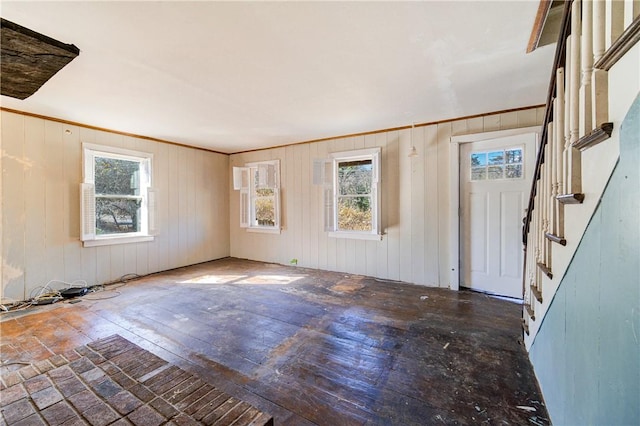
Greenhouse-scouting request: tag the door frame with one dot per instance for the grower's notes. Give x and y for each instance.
(454, 189)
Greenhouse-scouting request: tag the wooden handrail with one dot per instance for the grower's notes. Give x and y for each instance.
(626, 41)
(558, 62)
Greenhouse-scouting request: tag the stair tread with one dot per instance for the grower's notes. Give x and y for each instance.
(537, 293)
(576, 198)
(545, 270)
(556, 239)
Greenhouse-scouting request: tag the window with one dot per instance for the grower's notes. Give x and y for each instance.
(493, 165)
(116, 199)
(351, 193)
(259, 186)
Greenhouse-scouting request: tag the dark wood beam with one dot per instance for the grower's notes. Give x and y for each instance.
(29, 59)
(538, 24)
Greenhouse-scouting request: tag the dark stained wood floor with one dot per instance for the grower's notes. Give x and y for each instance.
(310, 347)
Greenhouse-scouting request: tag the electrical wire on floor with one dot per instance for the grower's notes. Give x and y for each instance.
(383, 280)
(14, 307)
(112, 286)
(46, 295)
(99, 289)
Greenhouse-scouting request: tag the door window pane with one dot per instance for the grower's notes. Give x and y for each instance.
(479, 159)
(514, 156)
(496, 157)
(495, 172)
(491, 165)
(479, 173)
(514, 171)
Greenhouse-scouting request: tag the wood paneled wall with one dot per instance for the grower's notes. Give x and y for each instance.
(415, 204)
(41, 171)
(198, 210)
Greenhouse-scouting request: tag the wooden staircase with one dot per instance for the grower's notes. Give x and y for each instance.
(594, 35)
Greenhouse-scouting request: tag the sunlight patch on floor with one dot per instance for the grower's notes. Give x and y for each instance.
(214, 279)
(270, 279)
(243, 279)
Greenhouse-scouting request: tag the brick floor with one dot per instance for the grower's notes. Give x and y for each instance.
(114, 382)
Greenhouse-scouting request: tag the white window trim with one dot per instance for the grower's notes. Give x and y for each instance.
(355, 235)
(88, 234)
(326, 174)
(243, 182)
(264, 230)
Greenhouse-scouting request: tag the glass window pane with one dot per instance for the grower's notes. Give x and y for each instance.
(117, 215)
(265, 209)
(355, 177)
(514, 156)
(479, 173)
(495, 172)
(117, 177)
(354, 214)
(513, 171)
(496, 157)
(265, 192)
(479, 159)
(262, 178)
(256, 178)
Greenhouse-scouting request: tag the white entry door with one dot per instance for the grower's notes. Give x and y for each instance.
(495, 180)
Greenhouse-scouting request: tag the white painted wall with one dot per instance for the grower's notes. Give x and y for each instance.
(41, 171)
(415, 204)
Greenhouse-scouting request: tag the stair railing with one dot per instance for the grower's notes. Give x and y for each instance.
(593, 35)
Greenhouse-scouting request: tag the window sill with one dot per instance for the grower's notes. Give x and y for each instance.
(117, 240)
(356, 236)
(264, 230)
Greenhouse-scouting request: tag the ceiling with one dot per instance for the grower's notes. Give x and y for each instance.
(236, 76)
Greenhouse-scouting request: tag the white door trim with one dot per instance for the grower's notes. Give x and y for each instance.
(454, 190)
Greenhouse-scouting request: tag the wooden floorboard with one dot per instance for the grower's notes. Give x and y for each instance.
(309, 347)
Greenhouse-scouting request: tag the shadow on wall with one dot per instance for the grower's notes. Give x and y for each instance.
(392, 204)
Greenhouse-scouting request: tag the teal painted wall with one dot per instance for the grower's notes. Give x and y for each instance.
(587, 353)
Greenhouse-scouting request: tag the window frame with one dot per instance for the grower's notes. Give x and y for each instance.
(244, 179)
(326, 172)
(88, 196)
